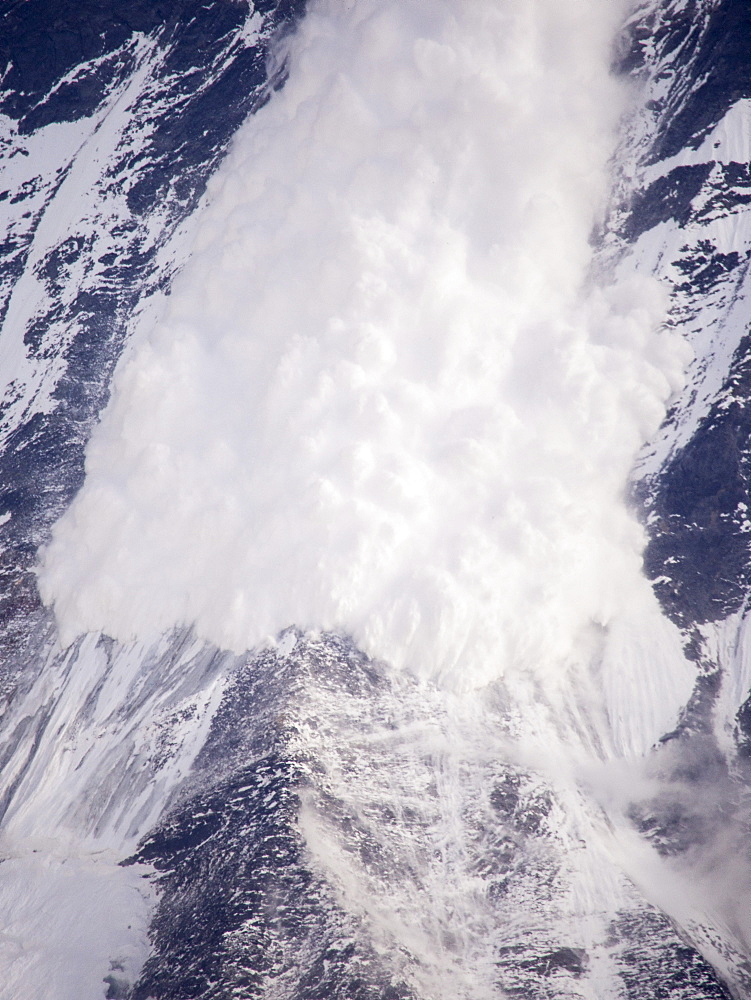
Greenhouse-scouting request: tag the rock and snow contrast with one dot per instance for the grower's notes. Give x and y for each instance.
(373, 500)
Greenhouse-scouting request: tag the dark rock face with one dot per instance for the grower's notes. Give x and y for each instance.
(698, 549)
(700, 51)
(717, 34)
(64, 58)
(668, 199)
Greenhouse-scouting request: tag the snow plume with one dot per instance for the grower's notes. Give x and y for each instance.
(383, 396)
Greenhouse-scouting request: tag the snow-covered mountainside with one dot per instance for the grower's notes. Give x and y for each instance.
(305, 331)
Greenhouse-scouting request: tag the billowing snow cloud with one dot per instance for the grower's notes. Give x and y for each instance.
(385, 395)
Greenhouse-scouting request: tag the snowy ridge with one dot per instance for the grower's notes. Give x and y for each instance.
(370, 794)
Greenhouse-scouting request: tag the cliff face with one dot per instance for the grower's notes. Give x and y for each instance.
(306, 821)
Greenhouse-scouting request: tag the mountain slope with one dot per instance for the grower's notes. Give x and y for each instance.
(305, 820)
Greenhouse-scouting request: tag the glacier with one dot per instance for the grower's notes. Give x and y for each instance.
(369, 628)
